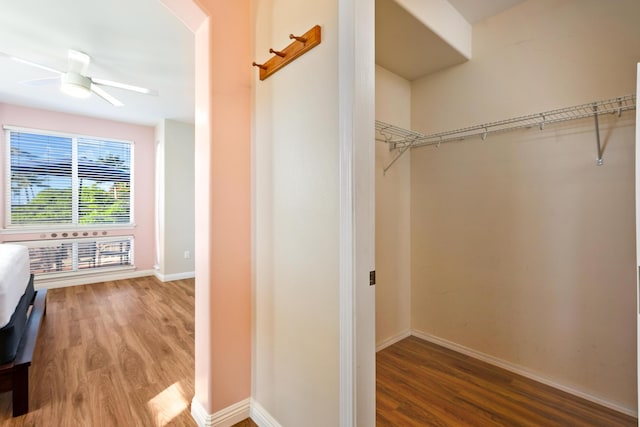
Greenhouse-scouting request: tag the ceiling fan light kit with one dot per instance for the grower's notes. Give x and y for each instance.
(75, 81)
(75, 85)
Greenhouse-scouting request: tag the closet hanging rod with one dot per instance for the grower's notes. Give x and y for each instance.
(403, 139)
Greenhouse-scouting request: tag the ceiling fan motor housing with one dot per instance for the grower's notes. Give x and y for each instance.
(76, 84)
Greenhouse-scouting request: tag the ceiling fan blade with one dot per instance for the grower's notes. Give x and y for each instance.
(104, 95)
(41, 82)
(118, 85)
(78, 61)
(33, 64)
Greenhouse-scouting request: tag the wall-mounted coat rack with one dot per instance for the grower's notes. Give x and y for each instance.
(403, 139)
(300, 45)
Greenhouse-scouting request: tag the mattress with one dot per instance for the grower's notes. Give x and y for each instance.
(11, 334)
(14, 277)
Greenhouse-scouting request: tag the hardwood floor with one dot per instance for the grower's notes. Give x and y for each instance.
(113, 354)
(422, 384)
(121, 354)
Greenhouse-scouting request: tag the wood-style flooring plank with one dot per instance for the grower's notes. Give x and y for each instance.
(121, 353)
(113, 354)
(422, 384)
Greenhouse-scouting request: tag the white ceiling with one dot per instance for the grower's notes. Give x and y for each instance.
(423, 52)
(138, 42)
(477, 10)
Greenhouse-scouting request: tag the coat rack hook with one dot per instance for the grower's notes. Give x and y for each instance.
(542, 123)
(300, 39)
(484, 135)
(261, 66)
(280, 54)
(290, 53)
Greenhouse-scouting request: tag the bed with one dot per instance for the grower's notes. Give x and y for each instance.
(21, 311)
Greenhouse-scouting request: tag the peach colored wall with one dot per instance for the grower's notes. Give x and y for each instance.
(223, 202)
(143, 136)
(203, 304)
(187, 11)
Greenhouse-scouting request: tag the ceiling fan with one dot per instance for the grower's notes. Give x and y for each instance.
(77, 83)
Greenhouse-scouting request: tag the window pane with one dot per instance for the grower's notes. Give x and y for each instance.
(84, 254)
(40, 168)
(104, 181)
(50, 257)
(116, 252)
(44, 188)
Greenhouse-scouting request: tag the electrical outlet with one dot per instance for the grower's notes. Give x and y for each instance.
(187, 254)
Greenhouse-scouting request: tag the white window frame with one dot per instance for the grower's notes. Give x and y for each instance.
(75, 272)
(21, 228)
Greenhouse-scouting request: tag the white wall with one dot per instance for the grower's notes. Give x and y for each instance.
(393, 228)
(443, 19)
(638, 203)
(296, 219)
(522, 248)
(175, 199)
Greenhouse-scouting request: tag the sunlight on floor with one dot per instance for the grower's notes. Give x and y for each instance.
(168, 404)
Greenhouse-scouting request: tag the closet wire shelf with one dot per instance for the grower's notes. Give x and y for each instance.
(403, 139)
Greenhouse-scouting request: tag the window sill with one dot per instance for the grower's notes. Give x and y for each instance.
(70, 230)
(46, 278)
(86, 278)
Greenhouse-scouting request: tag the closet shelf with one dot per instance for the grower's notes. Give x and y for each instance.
(402, 139)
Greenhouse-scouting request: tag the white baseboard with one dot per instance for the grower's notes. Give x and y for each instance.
(260, 416)
(88, 279)
(175, 276)
(233, 414)
(199, 414)
(392, 340)
(520, 370)
(224, 418)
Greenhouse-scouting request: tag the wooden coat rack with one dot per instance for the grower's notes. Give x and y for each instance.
(300, 45)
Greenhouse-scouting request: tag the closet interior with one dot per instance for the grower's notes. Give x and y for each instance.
(505, 208)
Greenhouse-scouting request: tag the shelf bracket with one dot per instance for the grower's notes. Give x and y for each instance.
(388, 139)
(600, 160)
(396, 158)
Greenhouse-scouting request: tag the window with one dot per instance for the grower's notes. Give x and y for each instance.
(67, 180)
(49, 257)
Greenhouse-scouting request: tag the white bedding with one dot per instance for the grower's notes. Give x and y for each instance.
(14, 278)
